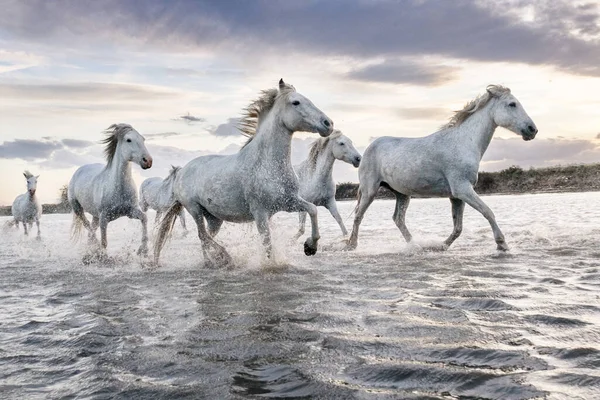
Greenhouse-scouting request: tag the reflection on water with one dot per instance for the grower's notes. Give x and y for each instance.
(388, 320)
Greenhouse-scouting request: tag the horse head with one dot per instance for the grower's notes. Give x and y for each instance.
(299, 113)
(343, 149)
(510, 114)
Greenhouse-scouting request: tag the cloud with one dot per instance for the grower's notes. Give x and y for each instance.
(560, 33)
(226, 129)
(190, 118)
(423, 113)
(27, 149)
(78, 92)
(503, 153)
(402, 71)
(77, 143)
(152, 136)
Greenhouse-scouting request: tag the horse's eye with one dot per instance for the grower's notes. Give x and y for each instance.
(513, 104)
(128, 140)
(296, 102)
(342, 144)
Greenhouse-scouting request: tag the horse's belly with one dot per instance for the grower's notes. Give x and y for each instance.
(433, 185)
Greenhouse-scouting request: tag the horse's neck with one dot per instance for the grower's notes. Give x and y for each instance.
(119, 174)
(31, 198)
(479, 129)
(272, 145)
(323, 168)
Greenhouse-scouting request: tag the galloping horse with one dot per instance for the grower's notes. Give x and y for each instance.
(26, 208)
(445, 163)
(108, 192)
(253, 184)
(315, 174)
(157, 194)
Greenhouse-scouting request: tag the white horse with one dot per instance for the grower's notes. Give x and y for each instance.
(26, 208)
(157, 194)
(315, 174)
(253, 184)
(108, 192)
(445, 163)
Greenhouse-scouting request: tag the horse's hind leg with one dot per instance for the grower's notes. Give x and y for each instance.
(211, 250)
(458, 209)
(93, 227)
(468, 195)
(214, 224)
(301, 223)
(365, 198)
(402, 202)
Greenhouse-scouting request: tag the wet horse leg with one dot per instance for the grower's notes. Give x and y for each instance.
(468, 195)
(402, 202)
(298, 204)
(214, 224)
(212, 251)
(301, 223)
(332, 207)
(366, 197)
(139, 214)
(458, 209)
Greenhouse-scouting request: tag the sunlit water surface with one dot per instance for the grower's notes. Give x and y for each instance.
(386, 321)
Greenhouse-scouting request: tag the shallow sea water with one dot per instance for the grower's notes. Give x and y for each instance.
(386, 321)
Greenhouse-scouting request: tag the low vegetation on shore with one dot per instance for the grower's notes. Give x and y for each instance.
(513, 180)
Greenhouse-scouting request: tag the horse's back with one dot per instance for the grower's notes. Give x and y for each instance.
(408, 165)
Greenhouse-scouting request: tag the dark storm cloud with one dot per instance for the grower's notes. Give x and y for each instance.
(405, 72)
(562, 34)
(27, 149)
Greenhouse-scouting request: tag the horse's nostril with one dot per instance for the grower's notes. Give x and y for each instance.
(532, 129)
(144, 159)
(326, 123)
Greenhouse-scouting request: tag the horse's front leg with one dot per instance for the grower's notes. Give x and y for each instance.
(139, 214)
(332, 207)
(37, 223)
(468, 195)
(262, 224)
(104, 220)
(310, 245)
(25, 228)
(301, 223)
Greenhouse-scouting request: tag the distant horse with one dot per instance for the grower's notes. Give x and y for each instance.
(157, 194)
(26, 208)
(108, 192)
(315, 174)
(253, 184)
(445, 163)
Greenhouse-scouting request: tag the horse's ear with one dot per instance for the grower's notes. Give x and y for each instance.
(37, 176)
(282, 84)
(25, 175)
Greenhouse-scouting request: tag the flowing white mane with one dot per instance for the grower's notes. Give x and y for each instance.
(477, 103)
(114, 134)
(258, 108)
(318, 146)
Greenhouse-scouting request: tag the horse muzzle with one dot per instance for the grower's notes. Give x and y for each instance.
(325, 128)
(356, 162)
(32, 192)
(529, 133)
(146, 162)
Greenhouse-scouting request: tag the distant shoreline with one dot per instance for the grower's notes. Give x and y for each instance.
(510, 181)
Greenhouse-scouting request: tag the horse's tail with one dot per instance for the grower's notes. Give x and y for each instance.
(165, 228)
(76, 227)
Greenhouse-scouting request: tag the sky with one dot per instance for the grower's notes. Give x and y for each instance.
(181, 71)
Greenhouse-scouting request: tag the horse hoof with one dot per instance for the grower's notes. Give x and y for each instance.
(350, 246)
(502, 246)
(309, 250)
